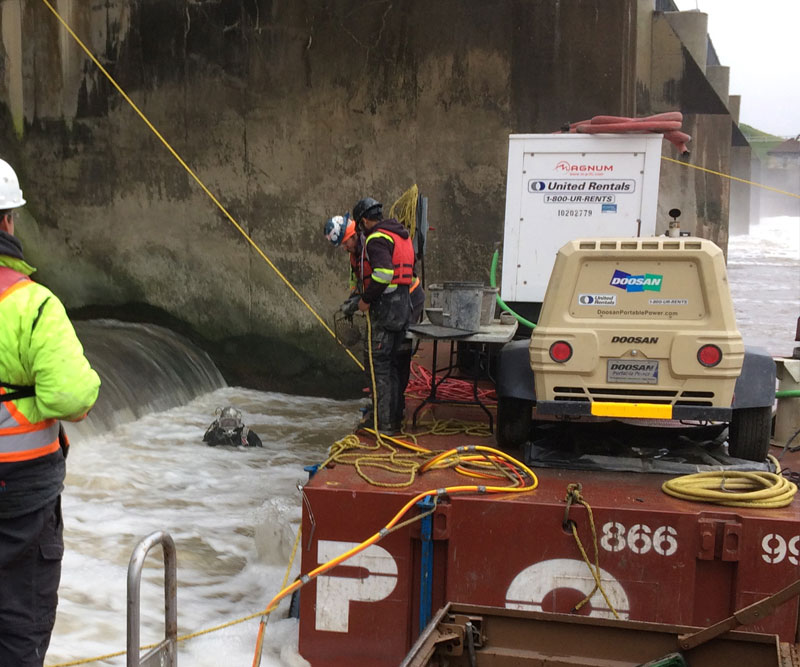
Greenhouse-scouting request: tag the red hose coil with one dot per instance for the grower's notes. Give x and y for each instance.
(668, 123)
(454, 389)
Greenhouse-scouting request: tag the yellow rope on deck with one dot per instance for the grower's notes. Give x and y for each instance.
(442, 459)
(446, 427)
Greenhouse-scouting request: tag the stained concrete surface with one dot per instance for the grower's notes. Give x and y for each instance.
(289, 112)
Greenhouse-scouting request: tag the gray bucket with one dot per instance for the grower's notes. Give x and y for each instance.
(460, 303)
(489, 305)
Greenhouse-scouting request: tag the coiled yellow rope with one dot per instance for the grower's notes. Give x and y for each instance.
(404, 210)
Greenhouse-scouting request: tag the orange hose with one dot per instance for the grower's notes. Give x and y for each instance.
(668, 123)
(436, 493)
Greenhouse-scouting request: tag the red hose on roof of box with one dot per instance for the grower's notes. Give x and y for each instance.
(667, 123)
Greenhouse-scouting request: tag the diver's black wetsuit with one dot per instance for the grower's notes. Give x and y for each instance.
(215, 435)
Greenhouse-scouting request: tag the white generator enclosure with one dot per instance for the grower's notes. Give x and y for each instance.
(567, 186)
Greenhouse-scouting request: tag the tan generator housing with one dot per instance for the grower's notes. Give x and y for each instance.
(637, 328)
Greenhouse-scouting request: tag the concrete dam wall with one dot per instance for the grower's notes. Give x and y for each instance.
(288, 112)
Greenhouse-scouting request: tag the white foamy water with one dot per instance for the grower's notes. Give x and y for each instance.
(764, 273)
(233, 513)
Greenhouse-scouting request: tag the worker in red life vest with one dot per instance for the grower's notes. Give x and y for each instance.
(340, 230)
(386, 295)
(44, 377)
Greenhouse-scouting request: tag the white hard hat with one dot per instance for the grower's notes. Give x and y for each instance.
(10, 193)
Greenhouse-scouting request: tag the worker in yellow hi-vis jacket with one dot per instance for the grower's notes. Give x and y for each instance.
(44, 377)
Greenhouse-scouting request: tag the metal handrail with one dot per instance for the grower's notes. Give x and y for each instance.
(165, 654)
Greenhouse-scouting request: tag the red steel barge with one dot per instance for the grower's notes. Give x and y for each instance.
(661, 560)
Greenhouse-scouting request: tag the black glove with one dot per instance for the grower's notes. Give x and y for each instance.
(350, 307)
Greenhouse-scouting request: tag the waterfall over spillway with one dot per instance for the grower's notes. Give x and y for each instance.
(144, 368)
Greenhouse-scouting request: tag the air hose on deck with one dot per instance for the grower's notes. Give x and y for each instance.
(734, 488)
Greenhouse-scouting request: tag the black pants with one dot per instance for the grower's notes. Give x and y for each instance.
(391, 375)
(391, 356)
(31, 548)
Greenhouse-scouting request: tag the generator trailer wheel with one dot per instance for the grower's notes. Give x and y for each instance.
(749, 433)
(514, 422)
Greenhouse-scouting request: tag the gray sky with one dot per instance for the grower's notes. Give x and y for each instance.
(760, 41)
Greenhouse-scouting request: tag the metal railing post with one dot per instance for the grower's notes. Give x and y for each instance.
(165, 654)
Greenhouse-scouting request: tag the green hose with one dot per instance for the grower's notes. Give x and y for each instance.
(788, 393)
(500, 302)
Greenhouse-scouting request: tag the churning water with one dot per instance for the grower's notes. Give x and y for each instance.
(764, 272)
(233, 512)
(139, 465)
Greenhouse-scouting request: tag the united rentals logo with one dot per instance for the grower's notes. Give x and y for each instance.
(583, 185)
(597, 299)
(647, 282)
(567, 168)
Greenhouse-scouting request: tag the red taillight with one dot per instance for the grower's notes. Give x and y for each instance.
(560, 351)
(709, 355)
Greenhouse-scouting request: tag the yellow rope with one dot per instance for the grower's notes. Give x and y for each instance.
(107, 656)
(440, 458)
(728, 176)
(404, 210)
(192, 635)
(734, 488)
(384, 456)
(404, 207)
(202, 185)
(372, 378)
(574, 495)
(392, 461)
(265, 615)
(446, 427)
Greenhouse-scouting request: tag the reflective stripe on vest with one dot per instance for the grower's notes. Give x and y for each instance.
(20, 440)
(402, 260)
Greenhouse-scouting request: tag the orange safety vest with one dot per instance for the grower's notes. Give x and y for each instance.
(402, 259)
(21, 440)
(402, 256)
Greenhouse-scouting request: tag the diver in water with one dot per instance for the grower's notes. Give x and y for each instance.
(228, 429)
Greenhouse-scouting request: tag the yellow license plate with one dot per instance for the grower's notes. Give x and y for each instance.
(641, 410)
